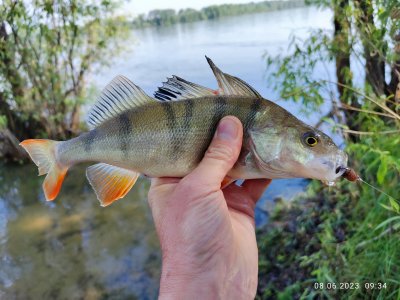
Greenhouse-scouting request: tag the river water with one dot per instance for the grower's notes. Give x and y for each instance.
(74, 249)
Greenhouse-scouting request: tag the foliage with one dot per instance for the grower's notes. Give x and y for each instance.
(47, 49)
(163, 17)
(379, 34)
(350, 233)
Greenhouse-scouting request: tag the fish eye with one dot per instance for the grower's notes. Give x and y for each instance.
(310, 139)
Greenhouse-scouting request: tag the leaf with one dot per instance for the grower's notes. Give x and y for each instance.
(382, 170)
(386, 222)
(386, 207)
(395, 205)
(3, 122)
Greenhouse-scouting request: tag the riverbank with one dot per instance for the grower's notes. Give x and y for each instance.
(166, 17)
(328, 246)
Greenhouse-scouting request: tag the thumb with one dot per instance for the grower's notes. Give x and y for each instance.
(221, 154)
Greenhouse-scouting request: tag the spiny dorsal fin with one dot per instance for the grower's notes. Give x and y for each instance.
(177, 88)
(119, 95)
(110, 183)
(230, 85)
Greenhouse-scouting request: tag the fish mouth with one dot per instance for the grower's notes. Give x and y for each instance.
(328, 169)
(340, 171)
(341, 164)
(334, 173)
(338, 174)
(336, 166)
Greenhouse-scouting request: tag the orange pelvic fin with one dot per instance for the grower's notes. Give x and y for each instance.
(42, 152)
(110, 183)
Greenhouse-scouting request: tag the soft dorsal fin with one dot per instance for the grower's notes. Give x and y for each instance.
(110, 183)
(230, 85)
(119, 95)
(176, 88)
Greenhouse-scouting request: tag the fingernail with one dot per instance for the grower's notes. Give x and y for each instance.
(227, 129)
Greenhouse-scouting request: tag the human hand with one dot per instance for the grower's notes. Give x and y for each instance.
(207, 235)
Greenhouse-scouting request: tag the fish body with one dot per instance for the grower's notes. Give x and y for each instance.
(135, 134)
(162, 138)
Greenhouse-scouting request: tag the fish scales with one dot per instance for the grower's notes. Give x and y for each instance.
(134, 134)
(151, 139)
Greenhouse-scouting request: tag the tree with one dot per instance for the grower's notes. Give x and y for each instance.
(342, 45)
(189, 15)
(374, 25)
(162, 17)
(47, 49)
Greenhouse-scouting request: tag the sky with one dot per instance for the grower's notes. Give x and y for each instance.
(135, 7)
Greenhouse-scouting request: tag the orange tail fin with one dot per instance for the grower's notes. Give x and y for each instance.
(42, 152)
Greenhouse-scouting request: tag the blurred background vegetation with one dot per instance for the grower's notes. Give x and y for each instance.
(165, 17)
(47, 49)
(350, 233)
(343, 234)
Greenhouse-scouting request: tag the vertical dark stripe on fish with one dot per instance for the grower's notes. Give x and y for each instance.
(125, 130)
(89, 140)
(220, 107)
(172, 126)
(250, 119)
(189, 104)
(187, 122)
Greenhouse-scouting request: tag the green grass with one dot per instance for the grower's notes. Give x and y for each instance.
(331, 237)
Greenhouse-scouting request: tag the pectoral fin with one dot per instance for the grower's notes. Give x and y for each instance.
(110, 183)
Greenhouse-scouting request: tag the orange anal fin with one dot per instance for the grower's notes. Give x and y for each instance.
(227, 181)
(110, 183)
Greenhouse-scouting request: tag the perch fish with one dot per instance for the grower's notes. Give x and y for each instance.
(167, 136)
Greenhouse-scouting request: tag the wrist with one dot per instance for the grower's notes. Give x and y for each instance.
(186, 282)
(197, 286)
(180, 280)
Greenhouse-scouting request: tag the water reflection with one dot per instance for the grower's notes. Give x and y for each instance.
(73, 248)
